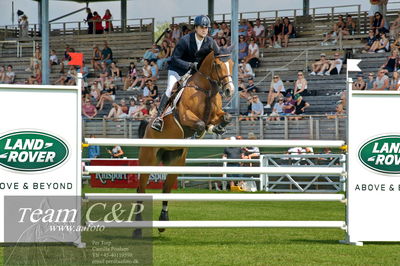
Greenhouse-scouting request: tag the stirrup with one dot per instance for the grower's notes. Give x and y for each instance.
(158, 124)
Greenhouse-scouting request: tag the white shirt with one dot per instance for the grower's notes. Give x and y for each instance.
(146, 91)
(258, 29)
(198, 42)
(276, 86)
(339, 64)
(255, 48)
(248, 70)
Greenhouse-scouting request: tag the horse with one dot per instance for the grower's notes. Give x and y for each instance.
(199, 109)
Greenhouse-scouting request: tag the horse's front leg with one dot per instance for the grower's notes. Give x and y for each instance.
(192, 121)
(218, 125)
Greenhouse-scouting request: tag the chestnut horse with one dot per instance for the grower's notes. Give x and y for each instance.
(198, 110)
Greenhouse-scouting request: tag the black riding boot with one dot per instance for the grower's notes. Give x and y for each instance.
(158, 122)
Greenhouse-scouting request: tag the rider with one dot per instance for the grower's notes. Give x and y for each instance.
(185, 58)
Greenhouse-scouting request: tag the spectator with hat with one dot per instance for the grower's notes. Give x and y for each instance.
(320, 66)
(299, 107)
(288, 105)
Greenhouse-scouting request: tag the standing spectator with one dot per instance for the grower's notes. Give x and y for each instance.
(10, 75)
(320, 66)
(277, 111)
(378, 24)
(131, 76)
(24, 27)
(245, 70)
(96, 58)
(359, 84)
(381, 45)
(370, 41)
(299, 106)
(106, 54)
(253, 54)
(300, 86)
(2, 74)
(88, 110)
(370, 84)
(287, 32)
(108, 19)
(163, 55)
(233, 153)
(335, 65)
(98, 25)
(116, 152)
(89, 20)
(277, 29)
(242, 47)
(259, 33)
(93, 150)
(394, 81)
(276, 90)
(392, 62)
(382, 81)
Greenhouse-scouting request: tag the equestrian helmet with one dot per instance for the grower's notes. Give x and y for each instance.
(202, 20)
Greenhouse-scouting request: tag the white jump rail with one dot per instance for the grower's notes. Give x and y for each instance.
(214, 143)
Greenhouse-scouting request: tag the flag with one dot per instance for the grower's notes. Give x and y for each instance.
(352, 64)
(76, 59)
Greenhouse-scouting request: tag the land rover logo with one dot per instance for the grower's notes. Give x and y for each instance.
(30, 151)
(382, 154)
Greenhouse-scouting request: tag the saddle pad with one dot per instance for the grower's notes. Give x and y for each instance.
(172, 106)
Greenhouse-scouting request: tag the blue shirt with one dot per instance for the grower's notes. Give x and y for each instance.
(242, 45)
(93, 151)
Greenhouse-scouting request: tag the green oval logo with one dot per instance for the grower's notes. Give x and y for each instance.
(382, 154)
(31, 151)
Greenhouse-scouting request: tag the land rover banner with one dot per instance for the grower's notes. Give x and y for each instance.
(374, 166)
(40, 145)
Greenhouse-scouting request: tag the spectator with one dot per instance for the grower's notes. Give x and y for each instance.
(124, 107)
(242, 47)
(370, 84)
(277, 111)
(350, 25)
(163, 55)
(373, 10)
(245, 70)
(223, 42)
(359, 84)
(253, 54)
(257, 109)
(395, 28)
(287, 32)
(245, 115)
(251, 152)
(106, 54)
(134, 110)
(115, 112)
(89, 20)
(154, 70)
(176, 33)
(130, 77)
(152, 53)
(35, 60)
(340, 112)
(66, 57)
(299, 107)
(225, 30)
(276, 90)
(88, 110)
(172, 46)
(332, 35)
(288, 105)
(370, 41)
(394, 81)
(2, 74)
(53, 58)
(378, 24)
(215, 30)
(116, 152)
(24, 27)
(382, 81)
(249, 31)
(233, 153)
(300, 86)
(392, 62)
(93, 150)
(115, 72)
(96, 58)
(108, 19)
(9, 75)
(105, 73)
(250, 89)
(259, 33)
(36, 78)
(396, 44)
(243, 28)
(146, 74)
(97, 23)
(335, 65)
(84, 70)
(95, 91)
(277, 29)
(107, 95)
(381, 45)
(320, 66)
(153, 89)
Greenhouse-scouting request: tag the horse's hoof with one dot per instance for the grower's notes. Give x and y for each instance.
(137, 234)
(163, 217)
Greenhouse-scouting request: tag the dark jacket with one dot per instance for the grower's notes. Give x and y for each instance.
(186, 52)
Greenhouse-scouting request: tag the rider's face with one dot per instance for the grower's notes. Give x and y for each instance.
(202, 31)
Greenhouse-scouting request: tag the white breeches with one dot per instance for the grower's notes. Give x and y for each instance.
(173, 77)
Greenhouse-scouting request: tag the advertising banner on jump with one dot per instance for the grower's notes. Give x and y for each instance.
(40, 154)
(374, 166)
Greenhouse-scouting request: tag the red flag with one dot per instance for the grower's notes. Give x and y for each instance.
(76, 59)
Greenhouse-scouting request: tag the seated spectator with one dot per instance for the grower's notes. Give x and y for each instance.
(222, 42)
(370, 84)
(153, 89)
(96, 58)
(382, 81)
(172, 46)
(396, 44)
(108, 19)
(288, 105)
(116, 73)
(53, 58)
(130, 77)
(245, 70)
(350, 25)
(152, 107)
(98, 25)
(35, 60)
(2, 74)
(392, 62)
(225, 31)
(106, 95)
(395, 28)
(250, 89)
(242, 47)
(372, 11)
(300, 86)
(154, 70)
(88, 110)
(176, 33)
(370, 41)
(116, 152)
(320, 66)
(152, 53)
(106, 54)
(10, 75)
(394, 81)
(381, 45)
(84, 70)
(340, 112)
(249, 31)
(332, 35)
(215, 30)
(134, 110)
(251, 152)
(124, 107)
(253, 54)
(66, 57)
(95, 91)
(115, 112)
(243, 28)
(277, 110)
(359, 84)
(36, 78)
(276, 90)
(277, 30)
(164, 55)
(245, 115)
(378, 24)
(259, 33)
(143, 76)
(287, 32)
(257, 108)
(299, 107)
(335, 65)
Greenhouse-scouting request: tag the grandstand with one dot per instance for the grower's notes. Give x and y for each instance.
(302, 51)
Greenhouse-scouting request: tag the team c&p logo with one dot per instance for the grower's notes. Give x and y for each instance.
(32, 151)
(382, 154)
